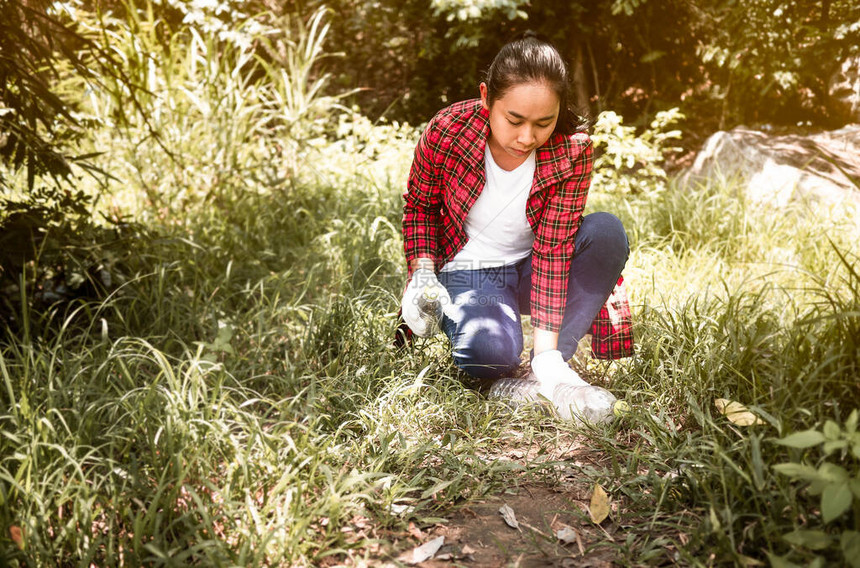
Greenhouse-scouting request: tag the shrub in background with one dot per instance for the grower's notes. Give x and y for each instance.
(626, 162)
(169, 107)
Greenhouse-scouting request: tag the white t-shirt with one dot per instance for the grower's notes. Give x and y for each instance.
(497, 228)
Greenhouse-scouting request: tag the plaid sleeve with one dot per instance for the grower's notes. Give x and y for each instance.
(554, 240)
(423, 199)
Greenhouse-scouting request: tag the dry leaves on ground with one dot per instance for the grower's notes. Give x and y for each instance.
(736, 412)
(599, 507)
(509, 516)
(424, 552)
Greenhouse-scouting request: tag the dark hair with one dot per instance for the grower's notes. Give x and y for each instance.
(532, 58)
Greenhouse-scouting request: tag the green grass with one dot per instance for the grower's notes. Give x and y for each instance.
(236, 399)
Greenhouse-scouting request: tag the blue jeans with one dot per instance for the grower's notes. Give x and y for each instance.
(484, 322)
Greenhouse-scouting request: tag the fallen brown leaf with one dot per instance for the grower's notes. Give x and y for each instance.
(599, 508)
(424, 552)
(416, 533)
(17, 536)
(509, 516)
(736, 412)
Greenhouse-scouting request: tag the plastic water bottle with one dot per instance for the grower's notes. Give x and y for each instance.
(571, 402)
(586, 403)
(516, 392)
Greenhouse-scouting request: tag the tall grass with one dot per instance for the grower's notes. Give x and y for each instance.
(741, 302)
(236, 399)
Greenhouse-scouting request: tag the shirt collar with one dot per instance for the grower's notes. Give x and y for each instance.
(472, 140)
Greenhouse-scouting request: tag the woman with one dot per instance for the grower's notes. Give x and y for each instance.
(493, 217)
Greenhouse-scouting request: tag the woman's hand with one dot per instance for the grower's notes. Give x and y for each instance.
(551, 370)
(422, 302)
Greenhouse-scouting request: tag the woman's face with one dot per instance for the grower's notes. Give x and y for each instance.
(520, 121)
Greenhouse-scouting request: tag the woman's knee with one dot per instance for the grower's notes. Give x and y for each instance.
(606, 232)
(488, 355)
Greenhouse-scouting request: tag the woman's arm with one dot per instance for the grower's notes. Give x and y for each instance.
(545, 340)
(422, 204)
(554, 241)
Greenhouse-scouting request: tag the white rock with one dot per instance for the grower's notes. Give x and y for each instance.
(823, 167)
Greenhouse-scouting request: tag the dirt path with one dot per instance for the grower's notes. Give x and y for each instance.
(478, 535)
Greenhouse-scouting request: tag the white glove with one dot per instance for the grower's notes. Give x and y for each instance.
(551, 370)
(422, 303)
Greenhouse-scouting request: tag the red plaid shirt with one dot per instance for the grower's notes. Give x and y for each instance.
(446, 178)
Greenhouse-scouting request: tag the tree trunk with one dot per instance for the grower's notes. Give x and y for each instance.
(581, 99)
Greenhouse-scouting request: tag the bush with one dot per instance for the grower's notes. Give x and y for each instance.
(627, 162)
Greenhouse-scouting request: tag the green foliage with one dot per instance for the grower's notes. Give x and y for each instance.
(38, 123)
(52, 252)
(227, 393)
(626, 6)
(724, 63)
(51, 248)
(191, 114)
(781, 54)
(465, 16)
(631, 163)
(838, 487)
(465, 10)
(406, 58)
(200, 113)
(228, 114)
(730, 305)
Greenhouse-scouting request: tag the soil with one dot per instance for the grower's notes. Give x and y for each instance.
(478, 535)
